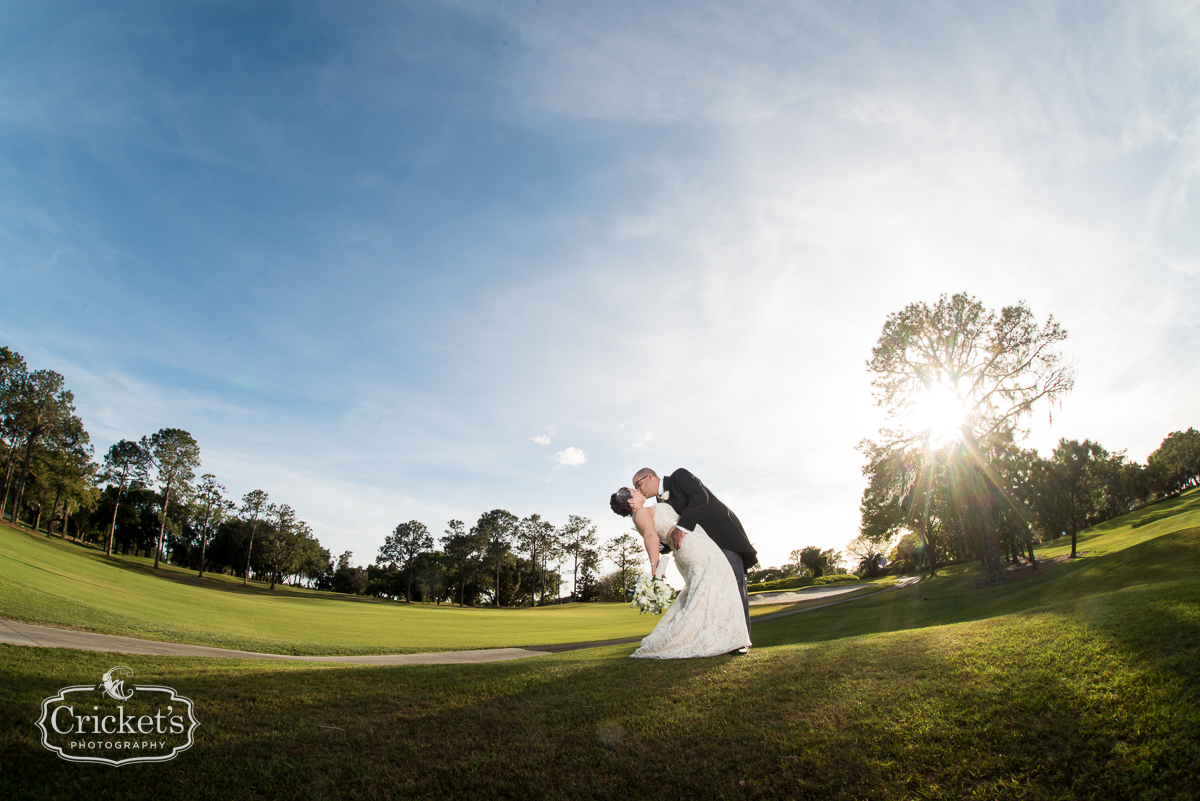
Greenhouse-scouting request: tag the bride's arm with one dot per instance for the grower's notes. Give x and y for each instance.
(644, 520)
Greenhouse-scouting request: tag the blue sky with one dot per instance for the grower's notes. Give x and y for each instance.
(420, 260)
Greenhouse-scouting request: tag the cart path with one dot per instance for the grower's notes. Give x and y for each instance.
(813, 593)
(13, 632)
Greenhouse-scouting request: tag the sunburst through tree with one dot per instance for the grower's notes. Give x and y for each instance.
(956, 381)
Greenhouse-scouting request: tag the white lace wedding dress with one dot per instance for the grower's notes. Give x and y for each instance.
(707, 618)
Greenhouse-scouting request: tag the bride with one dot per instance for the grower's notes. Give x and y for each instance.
(707, 618)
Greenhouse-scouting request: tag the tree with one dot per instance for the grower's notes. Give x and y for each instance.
(12, 378)
(536, 538)
(38, 406)
(431, 576)
(552, 552)
(1176, 462)
(813, 559)
(403, 545)
(589, 573)
(956, 373)
(176, 455)
(577, 535)
(254, 503)
(463, 550)
(625, 551)
(496, 528)
(70, 471)
(137, 522)
(211, 497)
(284, 543)
(347, 578)
(1069, 479)
(906, 491)
(315, 565)
(869, 556)
(126, 463)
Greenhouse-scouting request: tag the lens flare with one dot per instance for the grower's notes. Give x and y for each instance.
(939, 414)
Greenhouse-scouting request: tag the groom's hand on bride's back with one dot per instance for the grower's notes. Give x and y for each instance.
(677, 535)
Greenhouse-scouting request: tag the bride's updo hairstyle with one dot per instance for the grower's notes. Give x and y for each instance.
(620, 502)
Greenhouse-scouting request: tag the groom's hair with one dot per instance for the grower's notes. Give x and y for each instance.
(620, 502)
(645, 471)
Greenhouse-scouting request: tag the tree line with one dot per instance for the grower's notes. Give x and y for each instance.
(144, 499)
(807, 562)
(947, 479)
(1080, 484)
(501, 560)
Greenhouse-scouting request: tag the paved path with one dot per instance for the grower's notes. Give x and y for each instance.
(13, 632)
(904, 582)
(808, 594)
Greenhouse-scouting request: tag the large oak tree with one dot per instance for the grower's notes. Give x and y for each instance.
(958, 376)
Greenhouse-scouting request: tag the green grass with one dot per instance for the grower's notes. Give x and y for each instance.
(1083, 682)
(867, 588)
(61, 584)
(1157, 546)
(57, 583)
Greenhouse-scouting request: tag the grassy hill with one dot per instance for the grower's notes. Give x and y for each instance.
(1081, 682)
(54, 583)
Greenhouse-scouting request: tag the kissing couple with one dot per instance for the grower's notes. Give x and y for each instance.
(711, 615)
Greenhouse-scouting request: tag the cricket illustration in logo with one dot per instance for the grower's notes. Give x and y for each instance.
(113, 687)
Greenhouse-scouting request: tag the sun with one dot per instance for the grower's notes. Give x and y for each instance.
(939, 414)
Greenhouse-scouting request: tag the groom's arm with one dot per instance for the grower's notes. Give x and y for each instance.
(694, 495)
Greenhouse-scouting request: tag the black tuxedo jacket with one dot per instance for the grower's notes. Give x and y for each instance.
(696, 505)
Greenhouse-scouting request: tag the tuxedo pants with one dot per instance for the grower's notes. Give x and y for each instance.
(739, 571)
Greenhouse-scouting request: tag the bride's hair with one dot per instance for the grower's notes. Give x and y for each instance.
(620, 502)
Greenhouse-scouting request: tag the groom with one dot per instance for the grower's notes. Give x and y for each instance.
(697, 506)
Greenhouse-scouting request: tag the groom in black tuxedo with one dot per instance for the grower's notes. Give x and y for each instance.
(696, 505)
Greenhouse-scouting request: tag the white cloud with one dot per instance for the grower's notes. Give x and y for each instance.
(571, 457)
(541, 439)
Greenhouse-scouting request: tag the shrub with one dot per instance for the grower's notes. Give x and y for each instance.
(798, 583)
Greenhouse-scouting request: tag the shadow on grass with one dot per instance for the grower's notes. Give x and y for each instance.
(1032, 707)
(234, 587)
(1152, 513)
(1089, 691)
(1158, 624)
(143, 566)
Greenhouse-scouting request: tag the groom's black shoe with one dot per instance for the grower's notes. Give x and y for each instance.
(739, 651)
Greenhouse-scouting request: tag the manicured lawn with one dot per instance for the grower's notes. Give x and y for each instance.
(56, 583)
(1157, 546)
(1083, 682)
(61, 584)
(1061, 703)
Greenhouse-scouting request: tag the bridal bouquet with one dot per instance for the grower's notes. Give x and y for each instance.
(652, 594)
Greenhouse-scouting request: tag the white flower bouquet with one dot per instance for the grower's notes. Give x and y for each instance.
(652, 594)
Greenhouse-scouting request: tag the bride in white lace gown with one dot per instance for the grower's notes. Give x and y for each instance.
(706, 618)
